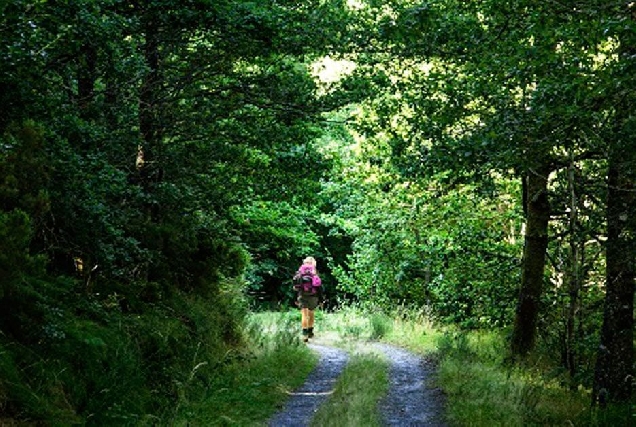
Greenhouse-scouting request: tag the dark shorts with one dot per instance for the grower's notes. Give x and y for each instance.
(308, 301)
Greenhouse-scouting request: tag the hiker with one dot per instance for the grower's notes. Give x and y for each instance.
(309, 287)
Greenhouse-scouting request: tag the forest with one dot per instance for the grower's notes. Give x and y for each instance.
(166, 165)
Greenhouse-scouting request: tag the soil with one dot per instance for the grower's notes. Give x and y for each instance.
(412, 399)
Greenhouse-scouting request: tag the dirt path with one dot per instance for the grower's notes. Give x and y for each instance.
(411, 400)
(304, 402)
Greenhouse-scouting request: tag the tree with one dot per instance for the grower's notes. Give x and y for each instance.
(156, 122)
(536, 243)
(614, 373)
(468, 91)
(614, 366)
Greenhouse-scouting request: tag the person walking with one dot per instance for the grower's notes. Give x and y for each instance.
(309, 286)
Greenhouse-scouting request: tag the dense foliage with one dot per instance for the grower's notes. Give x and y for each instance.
(476, 97)
(150, 151)
(165, 165)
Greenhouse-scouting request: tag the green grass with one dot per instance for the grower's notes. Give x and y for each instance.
(407, 328)
(413, 330)
(481, 388)
(365, 381)
(354, 401)
(252, 386)
(483, 391)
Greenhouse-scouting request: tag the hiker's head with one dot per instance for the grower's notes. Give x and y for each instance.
(310, 260)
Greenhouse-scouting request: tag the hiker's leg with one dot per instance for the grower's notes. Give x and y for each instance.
(305, 321)
(311, 318)
(305, 317)
(310, 327)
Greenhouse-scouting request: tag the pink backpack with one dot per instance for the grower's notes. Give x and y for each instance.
(306, 279)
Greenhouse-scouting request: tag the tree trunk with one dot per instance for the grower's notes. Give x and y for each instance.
(573, 277)
(534, 254)
(614, 371)
(613, 376)
(148, 162)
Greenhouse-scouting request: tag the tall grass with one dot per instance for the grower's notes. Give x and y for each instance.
(401, 326)
(251, 386)
(483, 390)
(413, 329)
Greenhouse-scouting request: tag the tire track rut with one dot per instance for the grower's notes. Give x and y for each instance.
(305, 401)
(411, 400)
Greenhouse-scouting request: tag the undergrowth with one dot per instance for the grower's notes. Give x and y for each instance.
(256, 383)
(481, 386)
(483, 389)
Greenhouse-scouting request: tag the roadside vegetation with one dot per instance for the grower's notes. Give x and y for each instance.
(255, 383)
(166, 165)
(481, 386)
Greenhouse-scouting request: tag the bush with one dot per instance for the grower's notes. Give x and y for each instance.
(381, 325)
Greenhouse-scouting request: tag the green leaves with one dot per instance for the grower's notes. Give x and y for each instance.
(449, 250)
(15, 261)
(278, 236)
(171, 139)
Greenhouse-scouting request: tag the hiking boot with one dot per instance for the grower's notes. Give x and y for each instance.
(310, 332)
(305, 335)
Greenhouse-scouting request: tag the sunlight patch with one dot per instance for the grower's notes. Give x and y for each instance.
(328, 70)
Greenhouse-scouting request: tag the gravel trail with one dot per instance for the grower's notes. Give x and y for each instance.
(304, 402)
(410, 402)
